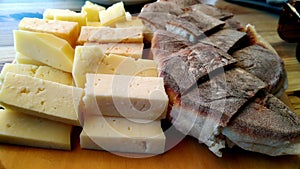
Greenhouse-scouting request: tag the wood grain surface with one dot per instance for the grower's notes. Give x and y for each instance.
(189, 153)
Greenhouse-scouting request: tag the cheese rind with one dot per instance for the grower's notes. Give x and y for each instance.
(21, 59)
(41, 98)
(92, 10)
(113, 14)
(87, 60)
(122, 135)
(45, 48)
(125, 96)
(62, 29)
(134, 50)
(21, 129)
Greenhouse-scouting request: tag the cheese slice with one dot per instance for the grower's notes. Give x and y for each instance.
(21, 59)
(113, 14)
(125, 96)
(54, 75)
(41, 98)
(134, 50)
(24, 69)
(87, 60)
(62, 29)
(21, 129)
(45, 48)
(122, 135)
(110, 35)
(92, 10)
(117, 64)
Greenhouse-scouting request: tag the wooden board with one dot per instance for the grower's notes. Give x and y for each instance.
(188, 154)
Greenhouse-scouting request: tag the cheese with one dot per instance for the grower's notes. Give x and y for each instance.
(21, 129)
(134, 50)
(54, 75)
(18, 69)
(45, 48)
(122, 135)
(50, 13)
(110, 35)
(41, 98)
(116, 64)
(92, 10)
(135, 22)
(113, 14)
(21, 59)
(125, 96)
(62, 29)
(87, 59)
(93, 24)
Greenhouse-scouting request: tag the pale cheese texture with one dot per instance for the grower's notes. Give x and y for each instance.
(50, 13)
(63, 29)
(113, 14)
(120, 65)
(45, 48)
(122, 135)
(134, 22)
(92, 10)
(41, 98)
(134, 50)
(24, 69)
(22, 59)
(22, 129)
(125, 96)
(87, 60)
(110, 35)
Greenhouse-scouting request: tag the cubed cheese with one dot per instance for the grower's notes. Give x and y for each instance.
(92, 10)
(117, 64)
(134, 50)
(54, 75)
(41, 98)
(87, 60)
(22, 129)
(45, 48)
(63, 29)
(110, 35)
(122, 135)
(113, 14)
(21, 59)
(125, 96)
(24, 69)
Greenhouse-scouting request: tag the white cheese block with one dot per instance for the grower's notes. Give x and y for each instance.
(21, 59)
(45, 48)
(134, 50)
(22, 129)
(122, 135)
(125, 96)
(24, 69)
(113, 14)
(41, 98)
(54, 75)
(87, 60)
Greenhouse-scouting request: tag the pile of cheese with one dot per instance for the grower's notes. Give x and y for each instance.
(83, 69)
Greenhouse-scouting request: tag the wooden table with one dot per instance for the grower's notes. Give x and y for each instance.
(189, 153)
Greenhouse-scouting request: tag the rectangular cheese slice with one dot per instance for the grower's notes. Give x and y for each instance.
(24, 69)
(113, 14)
(54, 75)
(122, 135)
(92, 10)
(22, 59)
(120, 65)
(41, 98)
(125, 96)
(63, 29)
(110, 35)
(45, 48)
(22, 129)
(87, 60)
(134, 50)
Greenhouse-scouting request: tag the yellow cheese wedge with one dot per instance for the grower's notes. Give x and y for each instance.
(120, 65)
(54, 75)
(125, 96)
(24, 69)
(110, 35)
(134, 50)
(92, 10)
(122, 135)
(63, 29)
(87, 60)
(41, 98)
(113, 14)
(21, 59)
(21, 129)
(45, 48)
